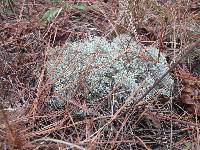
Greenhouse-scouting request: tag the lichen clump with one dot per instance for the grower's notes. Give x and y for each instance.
(102, 64)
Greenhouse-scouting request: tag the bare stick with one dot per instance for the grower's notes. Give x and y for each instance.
(187, 50)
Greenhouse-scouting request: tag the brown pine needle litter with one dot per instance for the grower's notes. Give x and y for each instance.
(100, 99)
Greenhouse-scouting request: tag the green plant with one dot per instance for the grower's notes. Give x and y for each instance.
(50, 14)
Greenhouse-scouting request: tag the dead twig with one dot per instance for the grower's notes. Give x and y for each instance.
(187, 50)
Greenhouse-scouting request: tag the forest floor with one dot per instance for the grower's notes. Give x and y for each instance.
(29, 28)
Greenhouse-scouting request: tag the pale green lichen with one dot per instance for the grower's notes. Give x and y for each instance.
(103, 64)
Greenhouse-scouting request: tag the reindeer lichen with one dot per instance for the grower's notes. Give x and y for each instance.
(102, 64)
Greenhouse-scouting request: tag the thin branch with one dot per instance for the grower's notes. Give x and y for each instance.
(71, 145)
(187, 51)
